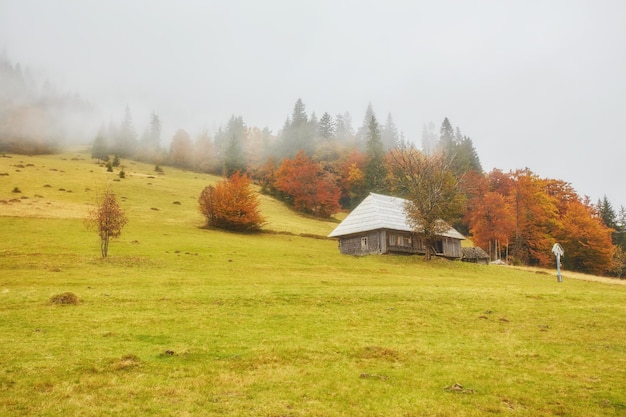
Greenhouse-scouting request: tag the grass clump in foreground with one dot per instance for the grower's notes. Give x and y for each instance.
(185, 321)
(67, 298)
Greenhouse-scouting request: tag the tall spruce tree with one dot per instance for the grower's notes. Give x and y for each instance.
(363, 131)
(390, 136)
(155, 132)
(234, 159)
(100, 148)
(343, 128)
(375, 170)
(429, 138)
(126, 142)
(620, 225)
(298, 133)
(150, 142)
(446, 136)
(326, 128)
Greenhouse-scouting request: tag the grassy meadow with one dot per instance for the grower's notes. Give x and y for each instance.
(184, 321)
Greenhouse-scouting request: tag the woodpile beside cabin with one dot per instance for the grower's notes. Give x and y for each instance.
(475, 255)
(379, 225)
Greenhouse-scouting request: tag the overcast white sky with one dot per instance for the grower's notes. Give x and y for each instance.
(537, 84)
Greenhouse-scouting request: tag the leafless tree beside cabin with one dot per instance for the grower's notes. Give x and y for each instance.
(431, 188)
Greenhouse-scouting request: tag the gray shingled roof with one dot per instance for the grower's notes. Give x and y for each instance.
(379, 211)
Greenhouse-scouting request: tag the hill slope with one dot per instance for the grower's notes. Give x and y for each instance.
(186, 321)
(63, 186)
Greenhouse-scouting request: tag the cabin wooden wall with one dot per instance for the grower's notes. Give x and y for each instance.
(353, 245)
(386, 241)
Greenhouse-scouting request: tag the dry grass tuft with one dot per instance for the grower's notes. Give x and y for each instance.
(127, 361)
(378, 352)
(67, 298)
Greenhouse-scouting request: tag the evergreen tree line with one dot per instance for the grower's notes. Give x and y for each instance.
(320, 166)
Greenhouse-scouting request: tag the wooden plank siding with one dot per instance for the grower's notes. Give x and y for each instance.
(393, 241)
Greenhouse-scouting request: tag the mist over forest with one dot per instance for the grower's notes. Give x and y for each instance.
(35, 117)
(320, 163)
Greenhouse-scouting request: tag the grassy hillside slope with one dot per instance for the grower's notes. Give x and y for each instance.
(185, 321)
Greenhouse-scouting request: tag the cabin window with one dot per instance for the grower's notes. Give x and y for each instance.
(364, 243)
(400, 240)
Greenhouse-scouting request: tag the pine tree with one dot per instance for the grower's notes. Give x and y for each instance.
(429, 138)
(389, 135)
(298, 133)
(126, 143)
(465, 157)
(620, 225)
(375, 170)
(234, 159)
(326, 128)
(607, 213)
(343, 128)
(155, 132)
(363, 132)
(150, 142)
(446, 136)
(100, 149)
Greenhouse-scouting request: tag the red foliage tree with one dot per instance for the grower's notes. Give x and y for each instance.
(533, 213)
(536, 219)
(500, 182)
(309, 188)
(232, 204)
(491, 220)
(586, 240)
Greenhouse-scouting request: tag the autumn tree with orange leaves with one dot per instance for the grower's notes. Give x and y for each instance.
(586, 241)
(492, 222)
(533, 213)
(232, 204)
(307, 186)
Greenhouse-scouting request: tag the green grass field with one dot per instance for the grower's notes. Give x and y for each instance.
(183, 321)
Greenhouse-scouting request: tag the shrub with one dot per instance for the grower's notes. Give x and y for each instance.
(232, 204)
(16, 190)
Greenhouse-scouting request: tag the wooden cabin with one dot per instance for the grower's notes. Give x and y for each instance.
(379, 225)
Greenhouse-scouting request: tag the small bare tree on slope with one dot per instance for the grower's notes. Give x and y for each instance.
(107, 218)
